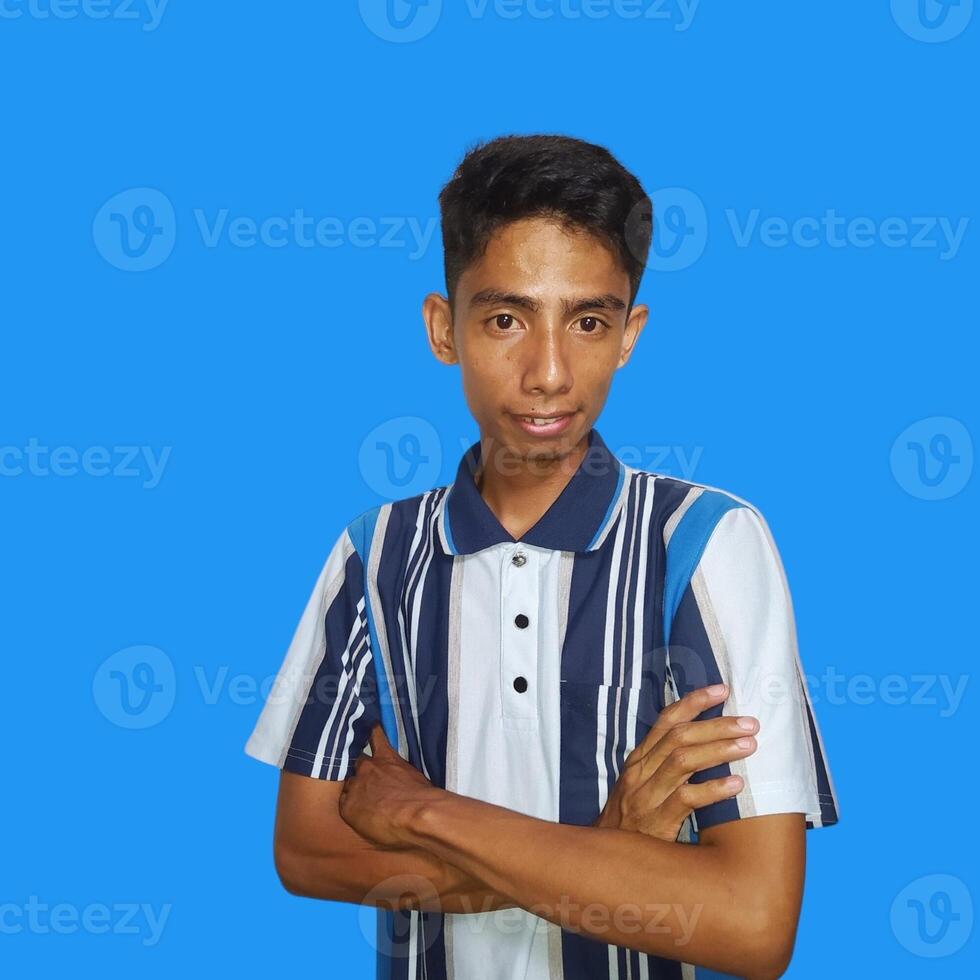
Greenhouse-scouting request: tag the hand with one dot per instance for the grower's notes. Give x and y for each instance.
(380, 799)
(653, 795)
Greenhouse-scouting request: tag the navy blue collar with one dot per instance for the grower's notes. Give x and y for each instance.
(576, 521)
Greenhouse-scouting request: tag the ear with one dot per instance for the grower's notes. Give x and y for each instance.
(634, 327)
(438, 319)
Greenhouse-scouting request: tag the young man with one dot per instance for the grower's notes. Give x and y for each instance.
(590, 751)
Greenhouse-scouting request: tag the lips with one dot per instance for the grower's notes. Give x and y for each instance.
(544, 425)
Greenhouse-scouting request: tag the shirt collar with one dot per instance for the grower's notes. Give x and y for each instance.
(576, 521)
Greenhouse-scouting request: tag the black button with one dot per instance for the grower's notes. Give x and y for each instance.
(519, 559)
(520, 684)
(521, 620)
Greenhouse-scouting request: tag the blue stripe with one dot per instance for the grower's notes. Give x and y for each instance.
(686, 546)
(361, 531)
(453, 550)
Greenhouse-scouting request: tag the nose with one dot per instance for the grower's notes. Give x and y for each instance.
(546, 367)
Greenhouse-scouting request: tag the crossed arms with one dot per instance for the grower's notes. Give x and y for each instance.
(731, 902)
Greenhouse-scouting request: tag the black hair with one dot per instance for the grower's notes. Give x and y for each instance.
(580, 184)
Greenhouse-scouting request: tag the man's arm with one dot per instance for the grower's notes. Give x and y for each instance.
(730, 903)
(319, 855)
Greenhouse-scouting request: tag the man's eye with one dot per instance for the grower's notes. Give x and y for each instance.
(591, 324)
(504, 321)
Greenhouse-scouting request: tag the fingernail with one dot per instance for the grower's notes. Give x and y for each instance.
(732, 782)
(743, 743)
(747, 723)
(716, 689)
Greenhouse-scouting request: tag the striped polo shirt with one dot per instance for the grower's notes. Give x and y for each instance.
(522, 672)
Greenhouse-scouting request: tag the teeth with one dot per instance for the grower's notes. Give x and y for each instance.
(541, 421)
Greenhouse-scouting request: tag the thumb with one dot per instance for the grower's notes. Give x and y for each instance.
(378, 740)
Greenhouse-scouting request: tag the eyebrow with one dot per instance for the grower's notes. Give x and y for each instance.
(492, 297)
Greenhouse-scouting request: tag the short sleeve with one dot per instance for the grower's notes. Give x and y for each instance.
(321, 708)
(734, 624)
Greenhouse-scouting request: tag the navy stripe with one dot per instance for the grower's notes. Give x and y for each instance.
(693, 665)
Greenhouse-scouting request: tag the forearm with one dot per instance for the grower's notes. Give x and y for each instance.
(365, 874)
(679, 901)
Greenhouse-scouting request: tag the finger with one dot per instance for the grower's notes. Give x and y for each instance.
(692, 796)
(378, 740)
(686, 709)
(698, 732)
(684, 762)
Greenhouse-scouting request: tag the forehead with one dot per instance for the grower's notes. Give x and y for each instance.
(538, 253)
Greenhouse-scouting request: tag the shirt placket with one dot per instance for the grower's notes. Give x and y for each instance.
(519, 632)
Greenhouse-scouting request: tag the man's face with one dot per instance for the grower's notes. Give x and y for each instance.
(539, 327)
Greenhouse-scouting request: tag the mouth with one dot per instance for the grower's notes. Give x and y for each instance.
(545, 425)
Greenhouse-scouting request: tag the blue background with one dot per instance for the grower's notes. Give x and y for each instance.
(788, 372)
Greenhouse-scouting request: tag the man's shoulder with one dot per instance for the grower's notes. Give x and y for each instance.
(399, 516)
(693, 502)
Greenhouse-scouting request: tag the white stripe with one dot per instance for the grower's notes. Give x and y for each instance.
(607, 654)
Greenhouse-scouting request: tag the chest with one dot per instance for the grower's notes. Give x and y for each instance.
(524, 676)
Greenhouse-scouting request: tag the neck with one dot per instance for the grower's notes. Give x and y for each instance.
(519, 489)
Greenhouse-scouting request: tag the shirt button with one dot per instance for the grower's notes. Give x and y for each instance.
(519, 559)
(521, 620)
(520, 684)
